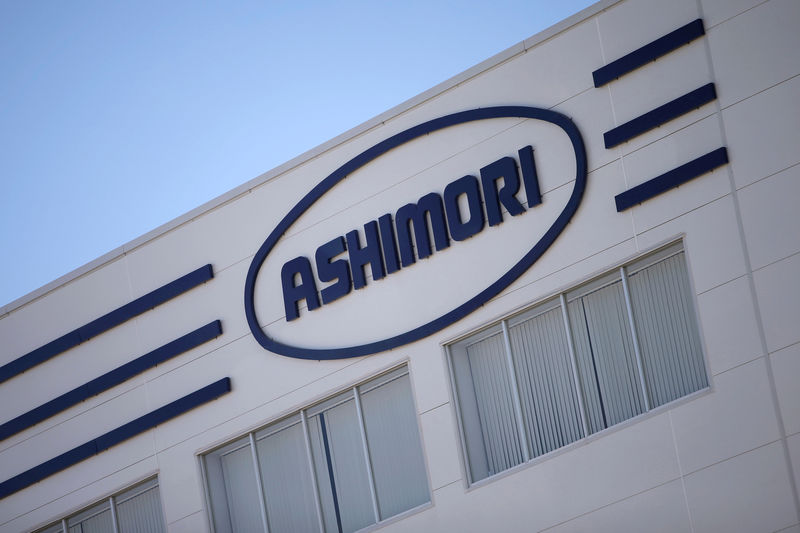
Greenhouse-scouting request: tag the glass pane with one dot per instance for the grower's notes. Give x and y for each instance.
(547, 388)
(606, 358)
(394, 446)
(495, 404)
(241, 490)
(141, 513)
(286, 478)
(345, 452)
(95, 522)
(320, 458)
(667, 330)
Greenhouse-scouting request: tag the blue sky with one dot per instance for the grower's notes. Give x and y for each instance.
(116, 117)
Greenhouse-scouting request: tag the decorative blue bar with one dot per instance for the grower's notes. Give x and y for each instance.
(649, 52)
(115, 436)
(106, 322)
(111, 379)
(660, 115)
(671, 179)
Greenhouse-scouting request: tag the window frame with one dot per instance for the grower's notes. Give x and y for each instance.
(560, 298)
(111, 503)
(351, 391)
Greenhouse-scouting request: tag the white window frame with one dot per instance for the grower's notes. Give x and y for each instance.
(621, 272)
(110, 503)
(300, 416)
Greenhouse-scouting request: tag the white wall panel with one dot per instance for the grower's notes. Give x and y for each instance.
(593, 114)
(595, 227)
(662, 509)
(195, 523)
(737, 416)
(68, 371)
(778, 294)
(179, 481)
(770, 216)
(718, 11)
(713, 245)
(728, 319)
(786, 369)
(762, 132)
(440, 442)
(429, 375)
(549, 277)
(749, 52)
(628, 25)
(220, 298)
(221, 237)
(748, 494)
(657, 83)
(84, 483)
(68, 307)
(622, 463)
(538, 77)
(793, 444)
(111, 412)
(667, 154)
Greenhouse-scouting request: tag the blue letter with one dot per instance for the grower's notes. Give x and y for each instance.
(389, 244)
(505, 168)
(529, 177)
(430, 204)
(330, 271)
(463, 230)
(305, 290)
(370, 253)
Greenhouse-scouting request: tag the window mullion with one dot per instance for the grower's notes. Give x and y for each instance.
(113, 508)
(373, 492)
(261, 499)
(512, 374)
(64, 526)
(634, 337)
(457, 405)
(317, 500)
(573, 358)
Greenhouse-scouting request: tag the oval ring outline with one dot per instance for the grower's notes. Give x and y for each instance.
(466, 308)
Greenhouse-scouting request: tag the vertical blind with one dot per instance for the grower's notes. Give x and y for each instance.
(549, 401)
(139, 511)
(606, 357)
(601, 354)
(286, 482)
(495, 403)
(339, 466)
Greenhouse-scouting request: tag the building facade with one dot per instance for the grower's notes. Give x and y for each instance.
(558, 292)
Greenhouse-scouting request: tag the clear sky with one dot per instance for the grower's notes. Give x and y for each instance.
(116, 117)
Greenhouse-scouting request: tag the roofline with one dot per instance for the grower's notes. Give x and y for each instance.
(249, 185)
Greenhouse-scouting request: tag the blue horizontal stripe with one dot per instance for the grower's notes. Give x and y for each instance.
(649, 52)
(114, 437)
(111, 379)
(660, 115)
(106, 322)
(671, 179)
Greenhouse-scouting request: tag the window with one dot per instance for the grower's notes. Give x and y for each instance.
(596, 356)
(338, 466)
(136, 510)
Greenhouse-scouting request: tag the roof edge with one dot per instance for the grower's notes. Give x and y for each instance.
(246, 187)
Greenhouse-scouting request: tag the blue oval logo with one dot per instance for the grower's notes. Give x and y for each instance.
(518, 269)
